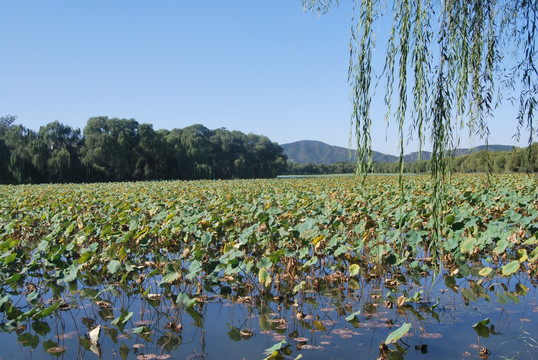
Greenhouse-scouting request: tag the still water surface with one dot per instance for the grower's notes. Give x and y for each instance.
(313, 324)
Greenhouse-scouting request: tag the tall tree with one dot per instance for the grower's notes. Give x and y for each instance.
(19, 141)
(60, 144)
(151, 154)
(110, 148)
(6, 122)
(199, 150)
(175, 154)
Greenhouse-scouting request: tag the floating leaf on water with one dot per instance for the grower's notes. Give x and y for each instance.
(114, 266)
(354, 284)
(319, 325)
(510, 268)
(185, 301)
(169, 274)
(481, 329)
(512, 297)
(270, 351)
(13, 278)
(501, 246)
(299, 286)
(397, 334)
(534, 254)
(52, 347)
(94, 334)
(29, 340)
(521, 289)
(10, 258)
(394, 355)
(234, 333)
(522, 255)
(352, 316)
(467, 245)
(47, 311)
(194, 269)
(317, 239)
(41, 328)
(264, 277)
(485, 271)
(354, 269)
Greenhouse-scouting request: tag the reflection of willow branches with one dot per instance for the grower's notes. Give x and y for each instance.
(79, 351)
(247, 314)
(59, 327)
(171, 313)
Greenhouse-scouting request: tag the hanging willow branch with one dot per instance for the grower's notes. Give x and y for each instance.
(460, 58)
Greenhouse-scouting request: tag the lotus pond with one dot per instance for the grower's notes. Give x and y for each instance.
(325, 268)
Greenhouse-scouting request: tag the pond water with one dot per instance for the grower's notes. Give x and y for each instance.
(332, 268)
(314, 324)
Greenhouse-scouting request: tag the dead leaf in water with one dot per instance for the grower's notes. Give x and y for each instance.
(146, 357)
(56, 350)
(94, 334)
(310, 347)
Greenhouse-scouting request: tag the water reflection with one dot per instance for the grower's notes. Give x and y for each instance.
(456, 316)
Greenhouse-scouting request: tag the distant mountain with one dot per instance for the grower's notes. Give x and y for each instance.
(426, 155)
(317, 152)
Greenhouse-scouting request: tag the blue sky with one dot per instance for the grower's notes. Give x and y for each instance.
(261, 66)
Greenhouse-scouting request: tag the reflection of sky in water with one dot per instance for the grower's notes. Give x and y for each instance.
(314, 328)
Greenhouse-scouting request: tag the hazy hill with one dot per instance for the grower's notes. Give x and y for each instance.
(317, 152)
(426, 155)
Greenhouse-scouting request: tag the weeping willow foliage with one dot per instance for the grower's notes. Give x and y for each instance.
(448, 64)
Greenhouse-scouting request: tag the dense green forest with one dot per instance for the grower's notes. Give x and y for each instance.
(112, 149)
(517, 160)
(124, 150)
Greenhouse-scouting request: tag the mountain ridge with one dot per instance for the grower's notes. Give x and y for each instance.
(318, 152)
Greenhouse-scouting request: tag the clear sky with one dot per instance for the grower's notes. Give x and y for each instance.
(260, 66)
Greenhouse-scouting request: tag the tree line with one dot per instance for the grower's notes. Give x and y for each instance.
(518, 160)
(113, 149)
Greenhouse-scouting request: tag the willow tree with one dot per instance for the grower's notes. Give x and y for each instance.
(448, 65)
